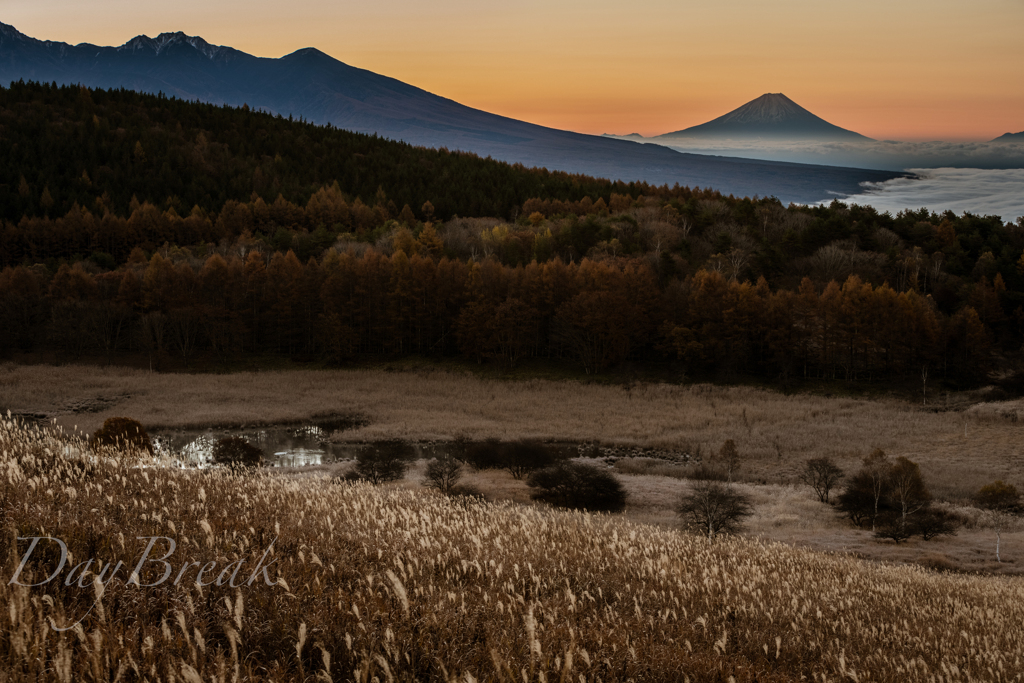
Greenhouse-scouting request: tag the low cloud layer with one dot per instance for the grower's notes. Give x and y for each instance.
(885, 155)
(979, 191)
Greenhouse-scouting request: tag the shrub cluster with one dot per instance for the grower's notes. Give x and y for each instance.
(519, 458)
(383, 461)
(122, 432)
(235, 451)
(578, 486)
(891, 498)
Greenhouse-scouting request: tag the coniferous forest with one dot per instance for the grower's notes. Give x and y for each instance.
(145, 227)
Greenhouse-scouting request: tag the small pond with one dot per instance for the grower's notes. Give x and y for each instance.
(299, 445)
(293, 445)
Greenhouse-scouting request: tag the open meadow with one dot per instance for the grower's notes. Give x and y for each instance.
(958, 449)
(371, 583)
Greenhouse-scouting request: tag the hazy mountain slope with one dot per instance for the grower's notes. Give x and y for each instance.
(310, 84)
(770, 116)
(1010, 137)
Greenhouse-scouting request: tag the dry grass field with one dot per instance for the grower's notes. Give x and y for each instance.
(784, 513)
(389, 584)
(958, 450)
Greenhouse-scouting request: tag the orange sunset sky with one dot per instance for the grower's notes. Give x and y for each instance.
(890, 69)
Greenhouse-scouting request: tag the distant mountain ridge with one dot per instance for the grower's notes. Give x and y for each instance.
(771, 116)
(1010, 137)
(310, 84)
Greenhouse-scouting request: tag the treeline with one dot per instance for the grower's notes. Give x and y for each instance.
(596, 314)
(143, 224)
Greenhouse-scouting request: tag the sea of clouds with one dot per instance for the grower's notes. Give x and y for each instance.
(877, 154)
(985, 178)
(986, 192)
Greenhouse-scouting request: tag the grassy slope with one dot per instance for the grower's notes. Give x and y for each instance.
(394, 583)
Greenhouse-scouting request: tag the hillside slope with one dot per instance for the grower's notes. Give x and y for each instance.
(312, 85)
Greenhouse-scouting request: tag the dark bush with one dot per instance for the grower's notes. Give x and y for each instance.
(522, 457)
(488, 455)
(236, 452)
(858, 500)
(578, 486)
(892, 527)
(122, 432)
(932, 522)
(384, 461)
(518, 457)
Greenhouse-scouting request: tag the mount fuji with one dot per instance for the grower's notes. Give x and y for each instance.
(772, 116)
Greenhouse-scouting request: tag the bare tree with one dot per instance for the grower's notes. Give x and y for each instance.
(830, 261)
(443, 474)
(714, 508)
(822, 475)
(907, 489)
(184, 325)
(876, 470)
(1000, 499)
(730, 457)
(152, 331)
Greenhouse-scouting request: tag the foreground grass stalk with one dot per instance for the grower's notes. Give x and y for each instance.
(368, 583)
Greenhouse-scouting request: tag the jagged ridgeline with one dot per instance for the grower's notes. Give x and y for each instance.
(99, 149)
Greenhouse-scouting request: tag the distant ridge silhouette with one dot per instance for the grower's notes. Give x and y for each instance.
(1010, 137)
(771, 116)
(312, 85)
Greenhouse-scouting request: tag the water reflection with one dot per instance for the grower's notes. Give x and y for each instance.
(282, 446)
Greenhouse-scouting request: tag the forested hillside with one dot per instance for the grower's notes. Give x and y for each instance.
(169, 230)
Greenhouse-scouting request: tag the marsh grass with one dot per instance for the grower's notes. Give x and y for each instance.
(389, 583)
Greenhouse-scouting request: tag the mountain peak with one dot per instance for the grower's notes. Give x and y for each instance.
(771, 116)
(167, 40)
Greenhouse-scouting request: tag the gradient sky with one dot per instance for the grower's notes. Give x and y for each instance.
(890, 69)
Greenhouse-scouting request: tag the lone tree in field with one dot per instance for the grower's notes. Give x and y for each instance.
(1001, 499)
(729, 457)
(714, 508)
(822, 475)
(237, 452)
(384, 461)
(443, 474)
(123, 432)
(578, 486)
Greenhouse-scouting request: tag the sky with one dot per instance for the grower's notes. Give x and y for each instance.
(889, 69)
